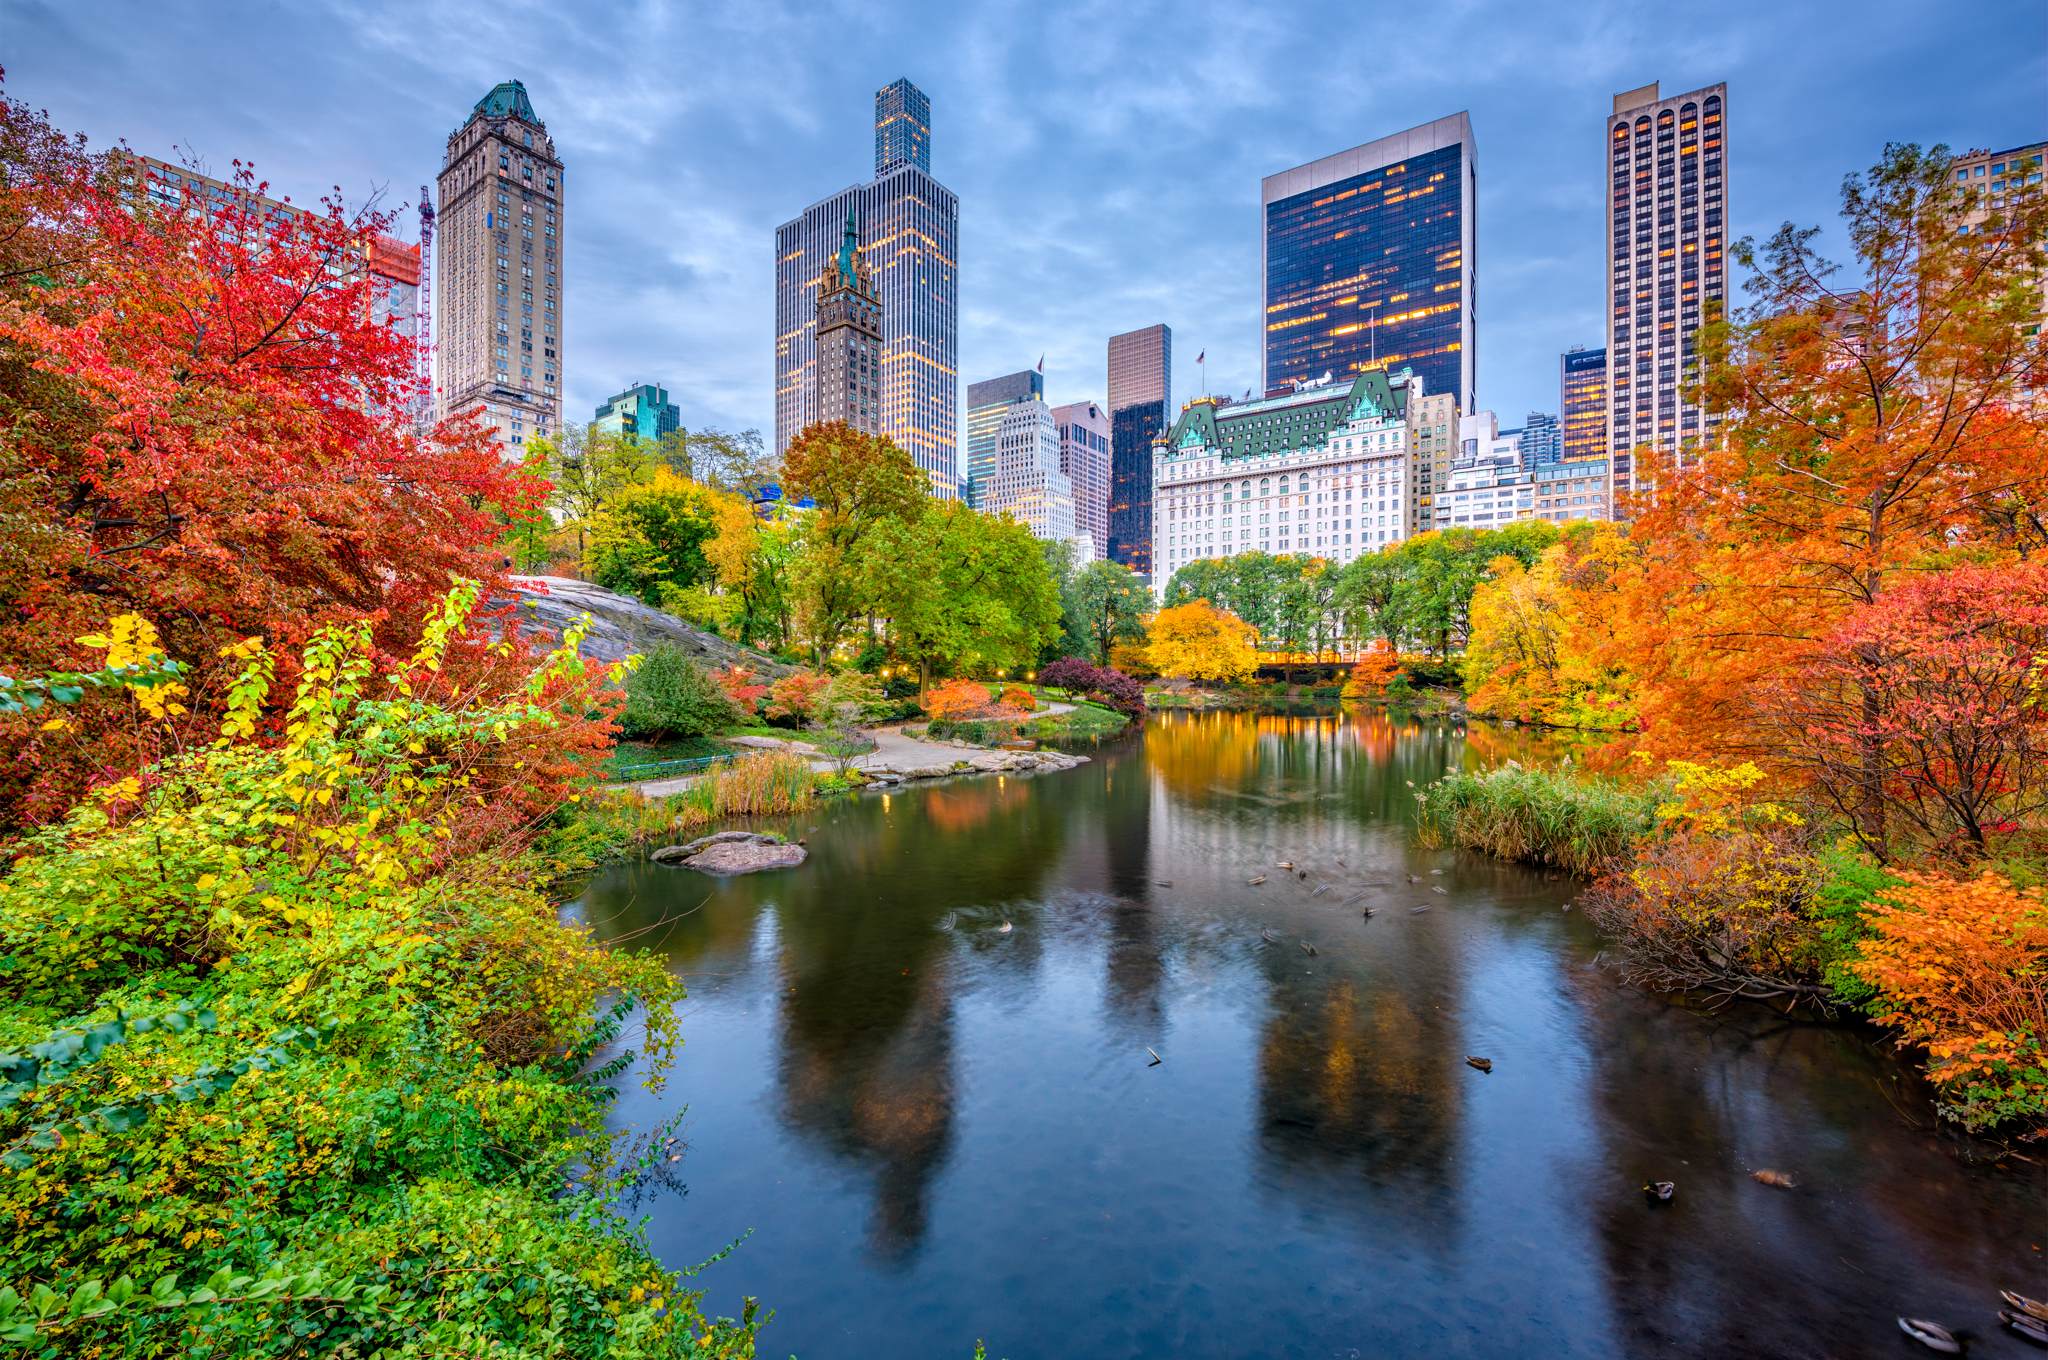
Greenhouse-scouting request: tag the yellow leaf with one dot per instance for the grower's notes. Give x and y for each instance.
(55, 725)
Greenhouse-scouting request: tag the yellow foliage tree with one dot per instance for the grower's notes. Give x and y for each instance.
(1539, 635)
(1198, 641)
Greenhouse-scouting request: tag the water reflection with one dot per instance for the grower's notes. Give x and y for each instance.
(939, 1130)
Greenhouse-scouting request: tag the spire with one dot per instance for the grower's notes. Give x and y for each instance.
(849, 247)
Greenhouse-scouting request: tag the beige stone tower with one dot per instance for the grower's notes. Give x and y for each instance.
(498, 271)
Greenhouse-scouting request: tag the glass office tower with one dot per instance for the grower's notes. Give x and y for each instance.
(1367, 258)
(1582, 398)
(1140, 404)
(987, 403)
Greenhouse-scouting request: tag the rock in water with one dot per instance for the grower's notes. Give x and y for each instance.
(732, 852)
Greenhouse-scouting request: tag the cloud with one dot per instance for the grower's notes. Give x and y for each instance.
(1107, 153)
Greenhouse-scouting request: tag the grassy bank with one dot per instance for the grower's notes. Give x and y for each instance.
(1558, 819)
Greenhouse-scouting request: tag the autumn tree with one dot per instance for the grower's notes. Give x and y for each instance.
(1920, 717)
(1883, 419)
(1538, 647)
(586, 468)
(860, 484)
(963, 591)
(751, 558)
(1198, 641)
(201, 422)
(1105, 603)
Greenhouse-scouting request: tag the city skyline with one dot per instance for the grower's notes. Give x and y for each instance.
(674, 191)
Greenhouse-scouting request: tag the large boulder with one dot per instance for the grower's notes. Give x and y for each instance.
(732, 852)
(620, 624)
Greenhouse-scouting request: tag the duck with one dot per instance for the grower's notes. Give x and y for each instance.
(1255, 882)
(1308, 949)
(1660, 1192)
(1005, 928)
(1483, 1064)
(2033, 1308)
(1269, 937)
(1778, 1179)
(1287, 864)
(2028, 1326)
(1932, 1335)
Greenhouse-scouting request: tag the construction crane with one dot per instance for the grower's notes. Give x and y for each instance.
(423, 310)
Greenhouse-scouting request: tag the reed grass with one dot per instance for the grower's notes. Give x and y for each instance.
(762, 784)
(1556, 818)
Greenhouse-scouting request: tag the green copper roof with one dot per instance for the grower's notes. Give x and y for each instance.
(1293, 421)
(849, 244)
(507, 99)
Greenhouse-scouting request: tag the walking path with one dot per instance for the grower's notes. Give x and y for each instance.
(894, 753)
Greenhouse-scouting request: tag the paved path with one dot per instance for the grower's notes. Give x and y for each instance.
(893, 750)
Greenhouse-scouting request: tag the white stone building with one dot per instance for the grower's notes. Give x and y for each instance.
(1027, 483)
(1318, 472)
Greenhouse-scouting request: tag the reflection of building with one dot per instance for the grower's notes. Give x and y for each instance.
(1027, 483)
(987, 403)
(1320, 472)
(1084, 457)
(1367, 261)
(848, 372)
(1140, 398)
(498, 298)
(909, 226)
(1666, 268)
(640, 412)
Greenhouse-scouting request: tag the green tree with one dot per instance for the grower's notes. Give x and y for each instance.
(964, 591)
(1102, 604)
(861, 485)
(734, 462)
(1371, 592)
(587, 468)
(752, 559)
(669, 695)
(650, 540)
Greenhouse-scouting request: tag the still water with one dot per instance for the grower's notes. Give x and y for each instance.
(937, 1130)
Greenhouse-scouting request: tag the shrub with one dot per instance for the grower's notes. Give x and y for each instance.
(1374, 671)
(956, 699)
(670, 695)
(975, 731)
(1111, 688)
(1557, 818)
(1961, 969)
(742, 686)
(795, 697)
(864, 692)
(277, 1014)
(1017, 699)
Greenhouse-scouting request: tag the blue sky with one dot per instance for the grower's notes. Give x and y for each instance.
(1107, 155)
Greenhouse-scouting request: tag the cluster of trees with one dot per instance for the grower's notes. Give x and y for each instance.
(293, 1056)
(1847, 599)
(1416, 594)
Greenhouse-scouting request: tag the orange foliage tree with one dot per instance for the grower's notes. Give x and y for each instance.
(1877, 425)
(1373, 672)
(1961, 968)
(956, 699)
(202, 422)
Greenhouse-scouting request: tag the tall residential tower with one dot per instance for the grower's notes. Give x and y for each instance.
(1140, 404)
(1667, 268)
(497, 270)
(1366, 259)
(909, 226)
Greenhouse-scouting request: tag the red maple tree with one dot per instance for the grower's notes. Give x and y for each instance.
(202, 420)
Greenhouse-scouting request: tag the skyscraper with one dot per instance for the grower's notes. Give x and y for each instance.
(642, 411)
(909, 225)
(1666, 267)
(1027, 483)
(903, 128)
(1367, 257)
(1582, 402)
(1541, 440)
(1140, 402)
(1084, 457)
(497, 270)
(987, 402)
(848, 373)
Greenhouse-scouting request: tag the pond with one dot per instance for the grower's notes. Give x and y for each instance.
(919, 1071)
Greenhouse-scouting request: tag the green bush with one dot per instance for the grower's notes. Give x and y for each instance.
(1549, 817)
(1849, 883)
(672, 696)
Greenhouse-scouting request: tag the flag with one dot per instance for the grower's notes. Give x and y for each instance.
(1203, 357)
(1041, 363)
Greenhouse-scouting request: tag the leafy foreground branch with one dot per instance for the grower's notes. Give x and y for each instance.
(290, 1032)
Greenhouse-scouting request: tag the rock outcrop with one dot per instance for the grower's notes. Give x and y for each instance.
(732, 852)
(973, 762)
(620, 624)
